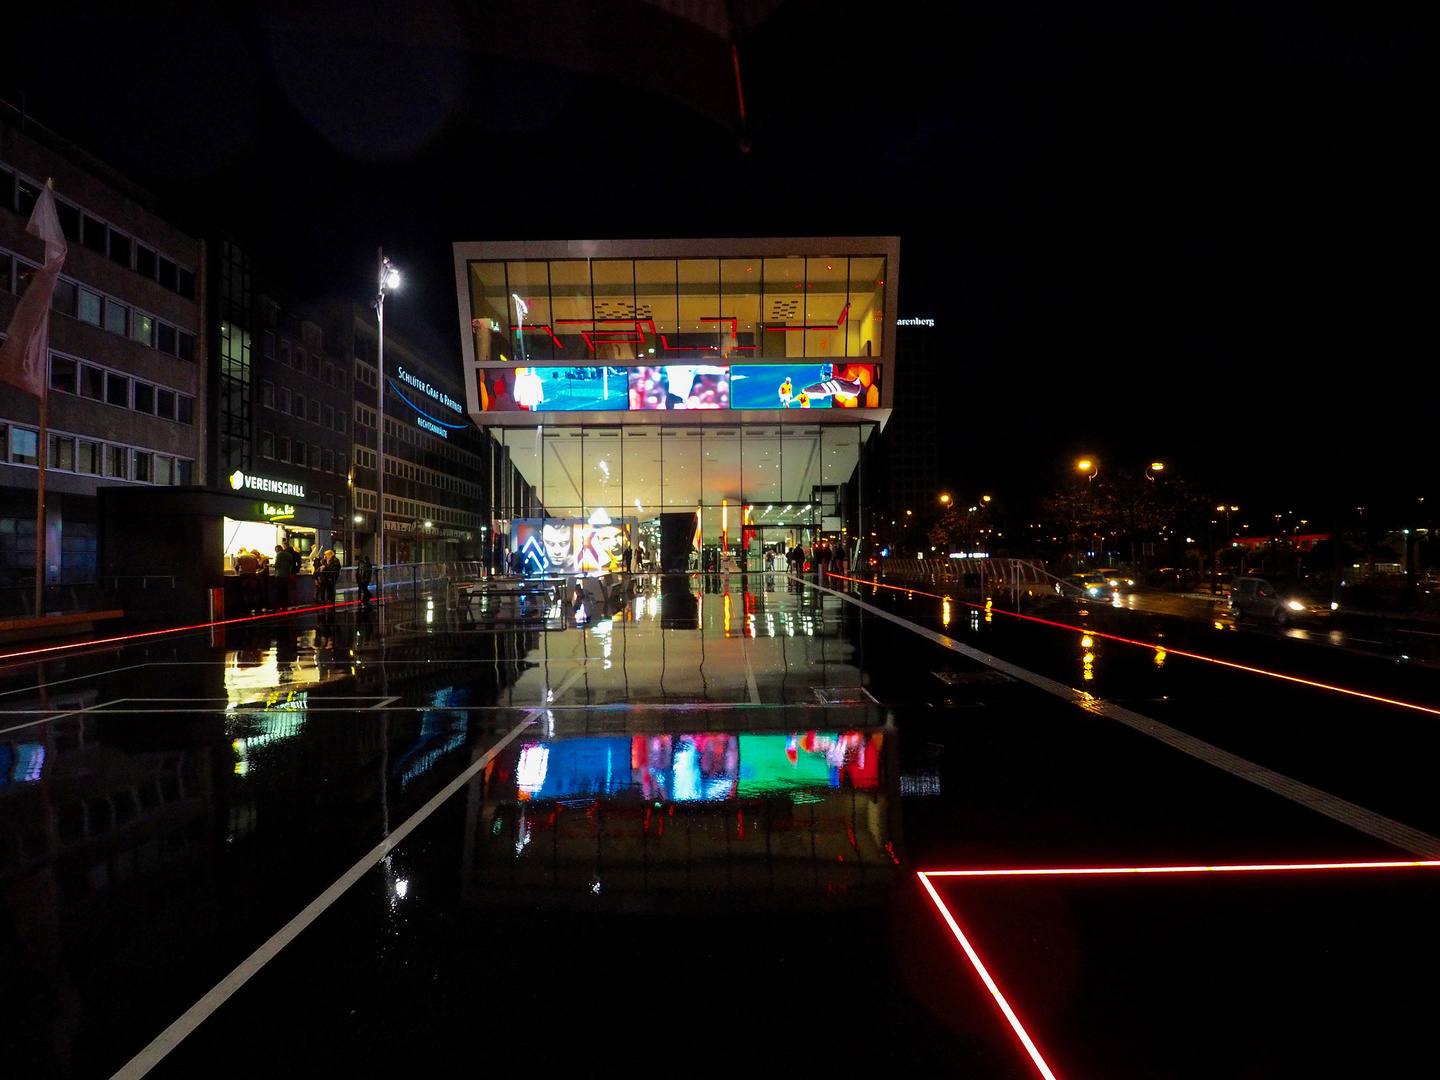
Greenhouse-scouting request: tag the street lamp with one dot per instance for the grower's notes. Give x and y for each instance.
(945, 500)
(1091, 469)
(1154, 467)
(389, 279)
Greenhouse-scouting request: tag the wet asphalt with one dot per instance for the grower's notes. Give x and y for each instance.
(684, 836)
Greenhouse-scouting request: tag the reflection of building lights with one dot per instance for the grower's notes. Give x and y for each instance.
(945, 612)
(1159, 657)
(1086, 641)
(401, 888)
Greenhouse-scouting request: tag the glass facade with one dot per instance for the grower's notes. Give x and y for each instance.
(753, 486)
(624, 311)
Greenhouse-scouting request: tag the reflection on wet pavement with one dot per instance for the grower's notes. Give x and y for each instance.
(739, 747)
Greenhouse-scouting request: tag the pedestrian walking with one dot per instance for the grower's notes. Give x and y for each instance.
(364, 570)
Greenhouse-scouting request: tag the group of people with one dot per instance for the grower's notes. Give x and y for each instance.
(822, 558)
(268, 583)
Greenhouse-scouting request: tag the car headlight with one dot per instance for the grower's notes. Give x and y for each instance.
(1334, 606)
(1093, 590)
(1295, 605)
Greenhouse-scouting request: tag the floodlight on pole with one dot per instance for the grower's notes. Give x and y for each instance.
(389, 279)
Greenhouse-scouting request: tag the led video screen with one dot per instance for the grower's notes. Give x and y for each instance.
(553, 389)
(680, 386)
(571, 546)
(803, 386)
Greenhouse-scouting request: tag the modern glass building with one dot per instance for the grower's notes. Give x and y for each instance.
(712, 398)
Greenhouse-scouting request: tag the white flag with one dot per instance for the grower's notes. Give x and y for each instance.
(25, 352)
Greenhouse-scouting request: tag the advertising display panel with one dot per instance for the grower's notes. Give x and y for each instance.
(680, 386)
(803, 386)
(553, 389)
(550, 546)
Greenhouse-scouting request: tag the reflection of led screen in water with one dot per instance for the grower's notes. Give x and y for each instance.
(770, 764)
(803, 386)
(571, 767)
(680, 386)
(685, 768)
(699, 767)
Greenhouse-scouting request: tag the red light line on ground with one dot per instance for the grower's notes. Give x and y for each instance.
(5, 657)
(1074, 871)
(1431, 710)
(990, 984)
(1220, 868)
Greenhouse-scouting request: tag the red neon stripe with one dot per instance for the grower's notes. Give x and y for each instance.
(990, 984)
(841, 320)
(1219, 868)
(985, 977)
(546, 328)
(1169, 650)
(169, 630)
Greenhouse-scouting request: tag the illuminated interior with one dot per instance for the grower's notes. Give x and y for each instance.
(580, 311)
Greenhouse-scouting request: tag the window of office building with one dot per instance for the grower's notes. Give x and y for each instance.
(117, 390)
(24, 447)
(117, 317)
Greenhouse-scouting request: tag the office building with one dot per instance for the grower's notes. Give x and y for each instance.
(706, 402)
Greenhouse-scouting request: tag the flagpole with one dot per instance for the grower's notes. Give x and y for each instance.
(25, 354)
(41, 451)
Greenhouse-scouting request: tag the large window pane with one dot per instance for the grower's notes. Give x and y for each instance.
(530, 281)
(825, 299)
(572, 309)
(117, 462)
(783, 308)
(143, 329)
(656, 299)
(682, 466)
(641, 472)
(739, 307)
(760, 474)
(490, 311)
(864, 320)
(699, 288)
(617, 336)
(562, 487)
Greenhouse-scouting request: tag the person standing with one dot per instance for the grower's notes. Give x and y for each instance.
(247, 568)
(364, 571)
(326, 574)
(283, 568)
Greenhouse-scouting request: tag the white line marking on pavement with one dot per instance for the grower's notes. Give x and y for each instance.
(1322, 802)
(193, 1017)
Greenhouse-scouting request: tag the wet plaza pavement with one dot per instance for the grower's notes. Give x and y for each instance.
(715, 828)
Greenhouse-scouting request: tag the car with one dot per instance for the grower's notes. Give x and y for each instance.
(1084, 586)
(1279, 599)
(1117, 578)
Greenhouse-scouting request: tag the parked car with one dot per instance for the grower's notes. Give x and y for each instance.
(1279, 599)
(1083, 586)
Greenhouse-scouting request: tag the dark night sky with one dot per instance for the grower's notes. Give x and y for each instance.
(1192, 233)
